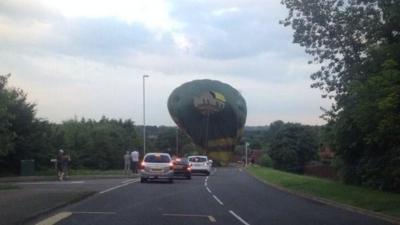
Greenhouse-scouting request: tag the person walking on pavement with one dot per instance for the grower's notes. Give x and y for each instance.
(65, 164)
(60, 164)
(135, 160)
(127, 162)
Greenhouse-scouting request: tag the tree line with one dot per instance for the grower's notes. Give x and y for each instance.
(285, 146)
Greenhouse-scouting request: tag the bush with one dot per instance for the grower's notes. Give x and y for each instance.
(266, 160)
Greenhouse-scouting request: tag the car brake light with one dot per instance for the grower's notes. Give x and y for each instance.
(142, 165)
(189, 168)
(171, 166)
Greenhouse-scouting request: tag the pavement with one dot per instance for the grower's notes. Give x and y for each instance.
(229, 196)
(36, 197)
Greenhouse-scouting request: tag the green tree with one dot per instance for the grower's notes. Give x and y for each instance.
(292, 146)
(370, 147)
(339, 33)
(22, 135)
(6, 134)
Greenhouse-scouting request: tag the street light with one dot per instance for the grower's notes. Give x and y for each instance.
(177, 141)
(246, 145)
(144, 115)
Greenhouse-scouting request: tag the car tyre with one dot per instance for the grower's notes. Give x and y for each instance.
(170, 180)
(189, 177)
(143, 180)
(207, 173)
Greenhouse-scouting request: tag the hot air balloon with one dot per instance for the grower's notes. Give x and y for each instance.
(210, 112)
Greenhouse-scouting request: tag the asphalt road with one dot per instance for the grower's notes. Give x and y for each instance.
(228, 197)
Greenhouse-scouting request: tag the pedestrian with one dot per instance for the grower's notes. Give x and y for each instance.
(134, 160)
(65, 164)
(60, 169)
(127, 162)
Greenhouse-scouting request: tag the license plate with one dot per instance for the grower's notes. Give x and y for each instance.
(156, 170)
(178, 166)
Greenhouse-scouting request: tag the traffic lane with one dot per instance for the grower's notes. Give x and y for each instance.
(183, 202)
(258, 203)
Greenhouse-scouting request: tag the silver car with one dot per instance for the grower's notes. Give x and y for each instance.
(156, 166)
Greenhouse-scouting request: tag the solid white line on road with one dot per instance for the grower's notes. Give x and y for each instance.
(217, 199)
(55, 218)
(211, 218)
(118, 186)
(53, 182)
(208, 189)
(238, 217)
(108, 213)
(126, 181)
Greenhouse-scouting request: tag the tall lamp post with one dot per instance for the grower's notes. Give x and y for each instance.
(144, 114)
(246, 146)
(177, 141)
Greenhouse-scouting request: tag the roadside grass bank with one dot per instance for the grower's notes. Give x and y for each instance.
(378, 201)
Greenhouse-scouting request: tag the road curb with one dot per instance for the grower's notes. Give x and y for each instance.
(325, 201)
(36, 216)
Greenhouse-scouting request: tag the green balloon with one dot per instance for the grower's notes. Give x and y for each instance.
(212, 113)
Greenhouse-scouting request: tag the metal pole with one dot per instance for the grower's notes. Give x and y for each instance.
(177, 141)
(246, 151)
(144, 115)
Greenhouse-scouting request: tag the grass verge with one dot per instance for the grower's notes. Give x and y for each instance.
(378, 201)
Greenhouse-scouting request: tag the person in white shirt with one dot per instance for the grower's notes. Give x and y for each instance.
(134, 160)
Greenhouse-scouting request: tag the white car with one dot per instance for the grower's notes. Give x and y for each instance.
(200, 164)
(156, 166)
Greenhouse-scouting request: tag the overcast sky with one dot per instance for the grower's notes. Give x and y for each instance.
(86, 58)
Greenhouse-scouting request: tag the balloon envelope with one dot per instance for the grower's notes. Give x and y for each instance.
(212, 113)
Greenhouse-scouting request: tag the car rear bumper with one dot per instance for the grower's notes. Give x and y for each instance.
(152, 175)
(200, 170)
(182, 172)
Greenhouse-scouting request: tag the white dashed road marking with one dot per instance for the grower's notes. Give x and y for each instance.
(238, 217)
(208, 189)
(217, 199)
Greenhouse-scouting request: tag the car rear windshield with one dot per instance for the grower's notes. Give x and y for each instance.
(197, 159)
(157, 159)
(181, 161)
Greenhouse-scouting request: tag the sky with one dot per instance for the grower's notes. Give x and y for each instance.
(77, 58)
